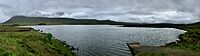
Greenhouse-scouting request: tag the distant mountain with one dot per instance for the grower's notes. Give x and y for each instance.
(24, 20)
(163, 25)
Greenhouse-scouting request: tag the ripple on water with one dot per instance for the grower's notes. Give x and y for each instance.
(107, 40)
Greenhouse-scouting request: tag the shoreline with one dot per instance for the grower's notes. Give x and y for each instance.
(176, 48)
(188, 45)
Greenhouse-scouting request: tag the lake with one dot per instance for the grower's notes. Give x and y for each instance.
(109, 40)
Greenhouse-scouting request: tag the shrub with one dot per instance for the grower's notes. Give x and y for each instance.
(15, 25)
(49, 36)
(42, 24)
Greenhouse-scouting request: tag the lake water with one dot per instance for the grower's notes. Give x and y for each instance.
(109, 40)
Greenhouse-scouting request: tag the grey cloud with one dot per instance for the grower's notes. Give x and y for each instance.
(117, 10)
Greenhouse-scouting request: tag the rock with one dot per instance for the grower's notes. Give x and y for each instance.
(136, 48)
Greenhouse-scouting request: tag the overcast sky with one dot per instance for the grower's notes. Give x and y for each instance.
(149, 11)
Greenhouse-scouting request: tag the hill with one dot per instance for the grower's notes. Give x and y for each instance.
(23, 20)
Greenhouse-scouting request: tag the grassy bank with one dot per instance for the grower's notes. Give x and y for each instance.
(30, 43)
(189, 44)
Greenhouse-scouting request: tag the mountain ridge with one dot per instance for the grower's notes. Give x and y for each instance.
(25, 20)
(56, 21)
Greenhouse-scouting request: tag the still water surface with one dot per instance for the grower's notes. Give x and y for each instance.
(109, 40)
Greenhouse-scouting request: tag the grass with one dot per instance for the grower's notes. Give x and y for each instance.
(189, 44)
(190, 41)
(170, 52)
(31, 43)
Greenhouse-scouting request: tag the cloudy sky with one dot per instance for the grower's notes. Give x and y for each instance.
(148, 11)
